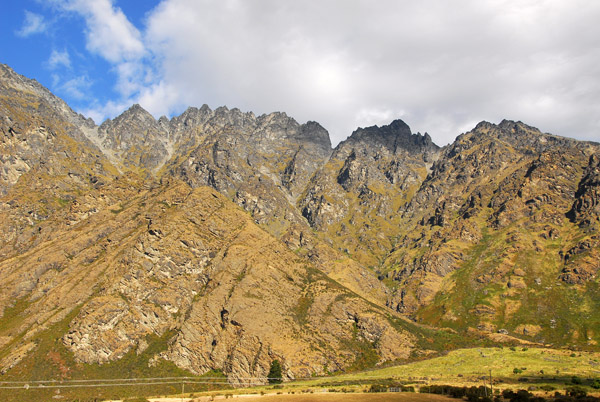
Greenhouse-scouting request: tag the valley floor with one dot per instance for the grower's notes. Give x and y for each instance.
(335, 397)
(321, 396)
(541, 370)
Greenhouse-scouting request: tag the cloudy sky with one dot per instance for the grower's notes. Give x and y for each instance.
(441, 66)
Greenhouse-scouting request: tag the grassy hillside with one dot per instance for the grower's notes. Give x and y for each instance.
(506, 284)
(541, 370)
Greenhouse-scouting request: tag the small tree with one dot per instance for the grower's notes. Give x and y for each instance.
(274, 375)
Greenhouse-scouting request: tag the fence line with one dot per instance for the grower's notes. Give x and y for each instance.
(116, 382)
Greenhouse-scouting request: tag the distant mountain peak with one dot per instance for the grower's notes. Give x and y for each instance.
(394, 137)
(399, 125)
(151, 247)
(136, 111)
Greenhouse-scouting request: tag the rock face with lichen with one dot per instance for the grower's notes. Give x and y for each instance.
(129, 236)
(496, 238)
(354, 198)
(221, 240)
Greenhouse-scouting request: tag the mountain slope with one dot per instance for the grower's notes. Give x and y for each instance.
(124, 262)
(174, 259)
(219, 240)
(488, 237)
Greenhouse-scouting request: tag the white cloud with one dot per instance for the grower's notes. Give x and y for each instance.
(109, 32)
(58, 58)
(76, 88)
(99, 113)
(440, 66)
(33, 23)
(160, 98)
(110, 35)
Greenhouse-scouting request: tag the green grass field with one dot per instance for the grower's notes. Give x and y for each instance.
(465, 366)
(537, 369)
(541, 370)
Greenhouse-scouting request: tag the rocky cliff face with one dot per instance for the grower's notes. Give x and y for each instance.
(488, 241)
(586, 207)
(354, 199)
(221, 240)
(136, 140)
(37, 129)
(261, 163)
(111, 233)
(171, 259)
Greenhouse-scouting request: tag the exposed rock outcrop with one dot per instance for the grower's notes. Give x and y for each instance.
(354, 199)
(221, 240)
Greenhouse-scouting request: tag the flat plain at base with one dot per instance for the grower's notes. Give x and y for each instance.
(341, 397)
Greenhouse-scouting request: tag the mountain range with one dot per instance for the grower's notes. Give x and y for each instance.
(222, 240)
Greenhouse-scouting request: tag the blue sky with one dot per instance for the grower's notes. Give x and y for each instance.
(441, 66)
(47, 41)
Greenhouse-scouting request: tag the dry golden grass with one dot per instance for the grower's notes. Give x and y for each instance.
(465, 367)
(340, 397)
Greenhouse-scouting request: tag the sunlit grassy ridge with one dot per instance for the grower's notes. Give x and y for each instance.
(488, 289)
(465, 364)
(540, 369)
(469, 366)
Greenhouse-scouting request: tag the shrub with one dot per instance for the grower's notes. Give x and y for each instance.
(377, 388)
(517, 370)
(577, 392)
(576, 380)
(519, 396)
(596, 384)
(547, 388)
(274, 375)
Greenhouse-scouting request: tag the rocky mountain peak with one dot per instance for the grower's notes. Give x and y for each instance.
(191, 117)
(151, 251)
(10, 78)
(277, 119)
(394, 138)
(134, 115)
(136, 139)
(137, 110)
(398, 125)
(314, 132)
(18, 85)
(518, 135)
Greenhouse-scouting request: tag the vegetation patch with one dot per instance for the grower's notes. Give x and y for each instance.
(51, 361)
